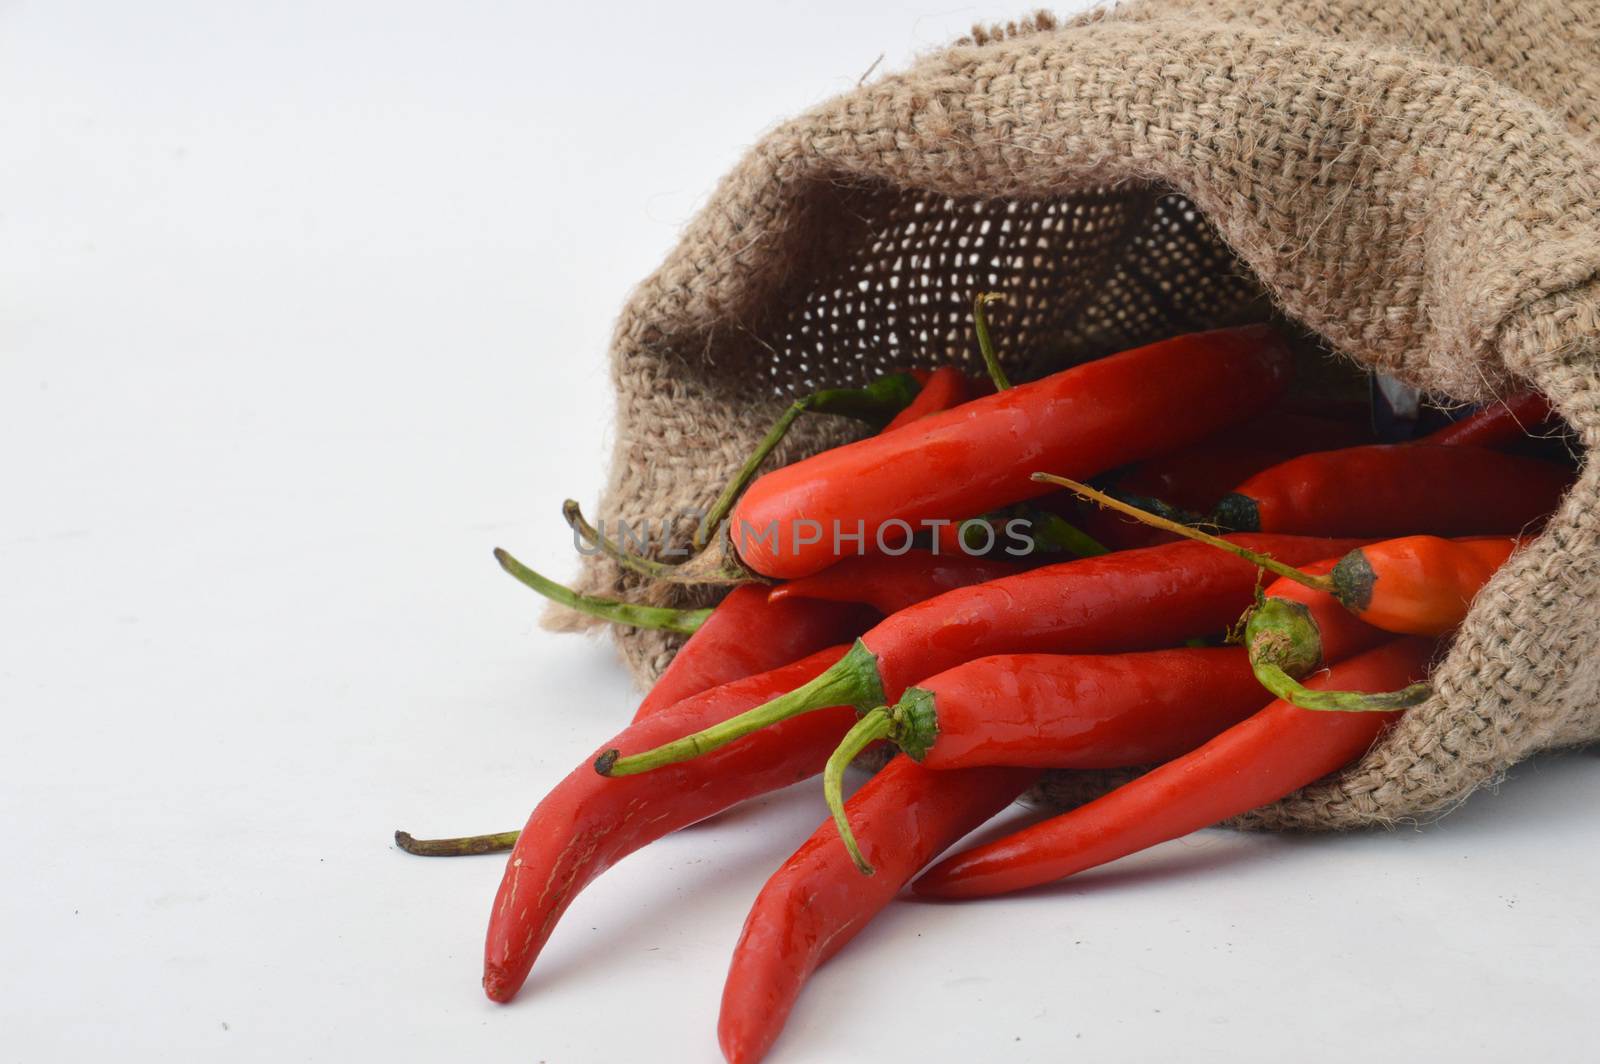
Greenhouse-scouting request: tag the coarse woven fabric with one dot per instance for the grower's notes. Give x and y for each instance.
(1417, 183)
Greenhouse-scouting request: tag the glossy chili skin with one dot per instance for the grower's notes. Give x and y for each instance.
(1424, 585)
(980, 455)
(1397, 490)
(1257, 761)
(1132, 600)
(1087, 710)
(942, 389)
(1496, 424)
(748, 634)
(903, 817)
(588, 823)
(889, 583)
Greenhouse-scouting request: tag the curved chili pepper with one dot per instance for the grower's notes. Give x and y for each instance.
(1071, 710)
(977, 457)
(587, 824)
(817, 901)
(942, 389)
(889, 582)
(1396, 490)
(1495, 425)
(1418, 585)
(747, 633)
(1295, 630)
(1111, 710)
(1258, 761)
(1132, 600)
(1413, 585)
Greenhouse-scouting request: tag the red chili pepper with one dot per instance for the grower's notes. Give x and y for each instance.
(1133, 600)
(889, 582)
(1111, 710)
(817, 901)
(749, 633)
(1396, 490)
(1258, 761)
(1070, 710)
(1418, 585)
(1496, 424)
(942, 389)
(977, 457)
(1413, 585)
(1295, 631)
(587, 824)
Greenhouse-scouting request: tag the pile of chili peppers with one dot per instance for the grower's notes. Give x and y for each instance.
(1133, 628)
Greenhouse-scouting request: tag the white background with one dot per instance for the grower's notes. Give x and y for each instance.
(303, 308)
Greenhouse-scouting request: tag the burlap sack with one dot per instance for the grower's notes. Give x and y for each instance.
(1418, 182)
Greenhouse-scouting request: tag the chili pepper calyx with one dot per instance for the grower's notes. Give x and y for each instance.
(1282, 633)
(1285, 644)
(853, 680)
(915, 721)
(1237, 513)
(1353, 580)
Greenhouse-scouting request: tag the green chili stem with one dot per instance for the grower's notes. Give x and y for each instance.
(980, 325)
(464, 846)
(878, 724)
(1265, 561)
(661, 618)
(704, 568)
(851, 681)
(625, 558)
(1283, 686)
(876, 404)
(747, 472)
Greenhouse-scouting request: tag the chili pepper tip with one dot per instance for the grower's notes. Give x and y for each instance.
(498, 985)
(603, 763)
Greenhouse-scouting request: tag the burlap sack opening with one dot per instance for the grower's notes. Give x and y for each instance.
(1419, 188)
